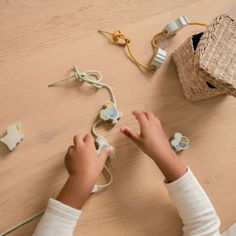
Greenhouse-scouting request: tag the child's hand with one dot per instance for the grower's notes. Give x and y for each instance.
(153, 141)
(82, 160)
(84, 167)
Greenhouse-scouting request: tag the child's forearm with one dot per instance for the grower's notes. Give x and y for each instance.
(75, 192)
(170, 165)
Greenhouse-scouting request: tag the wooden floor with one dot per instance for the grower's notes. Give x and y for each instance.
(39, 43)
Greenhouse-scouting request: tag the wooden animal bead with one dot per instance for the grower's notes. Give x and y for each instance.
(13, 136)
(110, 113)
(179, 142)
(102, 143)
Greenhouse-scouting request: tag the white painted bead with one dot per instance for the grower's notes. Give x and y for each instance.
(103, 143)
(172, 28)
(179, 142)
(158, 58)
(13, 136)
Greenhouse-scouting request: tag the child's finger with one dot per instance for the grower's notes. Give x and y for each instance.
(77, 139)
(70, 150)
(150, 116)
(88, 138)
(129, 133)
(139, 115)
(105, 153)
(142, 119)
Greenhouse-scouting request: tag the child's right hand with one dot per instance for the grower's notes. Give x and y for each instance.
(84, 166)
(152, 139)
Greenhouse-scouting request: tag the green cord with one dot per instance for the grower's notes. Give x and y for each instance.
(92, 77)
(27, 220)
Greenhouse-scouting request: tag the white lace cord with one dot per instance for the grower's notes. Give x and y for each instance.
(93, 130)
(89, 75)
(101, 186)
(27, 220)
(93, 77)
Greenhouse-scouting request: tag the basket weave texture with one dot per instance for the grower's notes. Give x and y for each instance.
(206, 62)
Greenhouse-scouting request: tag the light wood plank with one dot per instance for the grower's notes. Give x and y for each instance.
(39, 42)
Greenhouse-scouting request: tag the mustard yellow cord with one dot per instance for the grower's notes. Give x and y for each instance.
(154, 39)
(197, 23)
(154, 43)
(119, 39)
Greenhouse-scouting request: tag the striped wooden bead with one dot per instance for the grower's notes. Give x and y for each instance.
(158, 58)
(172, 28)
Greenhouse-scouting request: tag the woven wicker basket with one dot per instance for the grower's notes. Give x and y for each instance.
(206, 62)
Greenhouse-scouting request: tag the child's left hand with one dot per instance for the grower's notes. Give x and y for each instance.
(84, 167)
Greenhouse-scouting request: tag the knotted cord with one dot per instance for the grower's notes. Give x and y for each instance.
(92, 77)
(119, 39)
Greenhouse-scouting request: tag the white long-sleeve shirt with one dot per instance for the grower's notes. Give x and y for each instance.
(194, 208)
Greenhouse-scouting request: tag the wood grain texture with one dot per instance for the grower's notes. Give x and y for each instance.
(39, 42)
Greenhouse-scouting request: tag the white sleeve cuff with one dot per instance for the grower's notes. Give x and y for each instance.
(58, 219)
(184, 180)
(63, 211)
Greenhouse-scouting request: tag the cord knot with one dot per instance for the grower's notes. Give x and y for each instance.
(120, 40)
(117, 38)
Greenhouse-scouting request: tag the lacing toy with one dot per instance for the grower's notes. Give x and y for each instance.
(109, 113)
(159, 56)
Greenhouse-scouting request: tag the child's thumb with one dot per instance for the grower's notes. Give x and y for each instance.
(105, 153)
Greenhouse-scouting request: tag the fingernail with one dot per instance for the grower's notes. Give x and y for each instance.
(122, 128)
(110, 148)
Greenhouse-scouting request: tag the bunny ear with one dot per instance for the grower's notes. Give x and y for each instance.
(178, 136)
(174, 143)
